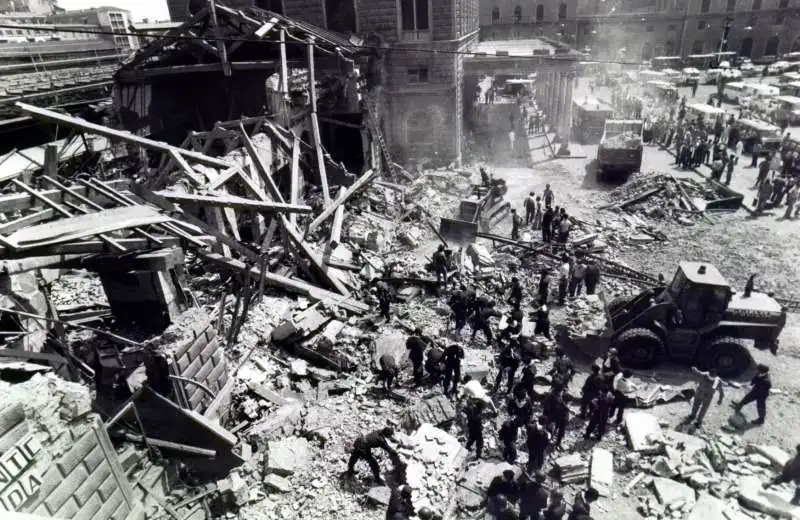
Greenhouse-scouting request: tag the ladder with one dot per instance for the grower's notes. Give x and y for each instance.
(374, 128)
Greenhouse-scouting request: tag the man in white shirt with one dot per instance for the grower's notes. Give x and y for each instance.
(472, 389)
(563, 280)
(709, 384)
(624, 390)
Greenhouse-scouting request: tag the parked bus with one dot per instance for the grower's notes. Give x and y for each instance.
(790, 89)
(733, 91)
(651, 75)
(709, 114)
(768, 135)
(662, 91)
(711, 60)
(788, 109)
(666, 62)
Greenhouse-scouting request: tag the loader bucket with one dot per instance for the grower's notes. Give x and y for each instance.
(582, 349)
(461, 231)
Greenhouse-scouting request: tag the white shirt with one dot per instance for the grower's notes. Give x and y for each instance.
(623, 385)
(563, 271)
(473, 389)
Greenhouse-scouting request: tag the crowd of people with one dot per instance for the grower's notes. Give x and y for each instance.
(721, 145)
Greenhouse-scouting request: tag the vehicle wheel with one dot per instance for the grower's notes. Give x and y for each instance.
(728, 357)
(639, 348)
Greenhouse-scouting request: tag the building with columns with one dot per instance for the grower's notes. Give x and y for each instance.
(640, 29)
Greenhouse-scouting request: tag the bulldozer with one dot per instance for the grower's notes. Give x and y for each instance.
(479, 213)
(696, 319)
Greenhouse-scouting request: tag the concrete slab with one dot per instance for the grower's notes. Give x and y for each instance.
(707, 508)
(644, 432)
(777, 456)
(286, 456)
(471, 491)
(769, 501)
(687, 444)
(379, 495)
(670, 492)
(277, 483)
(394, 345)
(601, 472)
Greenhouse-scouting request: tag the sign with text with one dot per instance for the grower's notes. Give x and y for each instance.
(19, 475)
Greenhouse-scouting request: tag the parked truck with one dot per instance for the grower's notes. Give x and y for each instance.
(620, 149)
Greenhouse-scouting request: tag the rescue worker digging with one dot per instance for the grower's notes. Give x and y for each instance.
(362, 450)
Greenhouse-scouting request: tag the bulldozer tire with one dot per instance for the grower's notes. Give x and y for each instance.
(728, 357)
(639, 348)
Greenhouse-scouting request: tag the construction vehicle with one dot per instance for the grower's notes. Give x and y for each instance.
(484, 209)
(696, 319)
(620, 150)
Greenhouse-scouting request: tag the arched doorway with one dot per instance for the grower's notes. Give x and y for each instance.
(747, 47)
(562, 11)
(647, 51)
(771, 49)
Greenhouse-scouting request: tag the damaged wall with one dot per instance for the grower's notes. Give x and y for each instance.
(57, 460)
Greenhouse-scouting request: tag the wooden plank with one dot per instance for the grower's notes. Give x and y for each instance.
(119, 135)
(315, 258)
(341, 199)
(23, 222)
(23, 201)
(195, 177)
(51, 159)
(336, 227)
(289, 284)
(98, 246)
(312, 87)
(262, 168)
(294, 185)
(223, 178)
(232, 201)
(284, 65)
(113, 461)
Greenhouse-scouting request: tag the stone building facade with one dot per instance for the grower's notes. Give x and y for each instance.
(639, 29)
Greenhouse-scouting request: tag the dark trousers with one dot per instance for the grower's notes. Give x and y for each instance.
(511, 370)
(451, 373)
(509, 452)
(460, 317)
(384, 308)
(563, 236)
(364, 454)
(761, 404)
(591, 285)
(575, 286)
(620, 403)
(441, 277)
(754, 160)
(597, 424)
(416, 367)
(543, 328)
(483, 327)
(586, 402)
(562, 290)
(546, 231)
(387, 378)
(528, 215)
(558, 427)
(475, 436)
(536, 456)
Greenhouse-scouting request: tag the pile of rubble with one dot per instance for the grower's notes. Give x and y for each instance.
(660, 196)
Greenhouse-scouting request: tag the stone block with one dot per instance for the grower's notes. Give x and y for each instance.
(601, 471)
(277, 483)
(777, 456)
(476, 480)
(286, 456)
(768, 501)
(379, 495)
(644, 432)
(65, 489)
(707, 508)
(670, 492)
(90, 485)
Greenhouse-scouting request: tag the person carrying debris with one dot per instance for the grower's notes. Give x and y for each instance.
(480, 321)
(362, 450)
(592, 386)
(433, 363)
(452, 367)
(416, 346)
(761, 385)
(530, 208)
(538, 442)
(533, 497)
(439, 262)
(400, 506)
(385, 295)
(556, 509)
(708, 385)
(388, 371)
(789, 473)
(582, 505)
(592, 277)
(507, 364)
(542, 321)
(624, 393)
(502, 489)
(599, 415)
(513, 324)
(508, 434)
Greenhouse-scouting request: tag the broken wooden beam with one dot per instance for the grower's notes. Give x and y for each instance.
(312, 88)
(294, 183)
(231, 201)
(118, 135)
(290, 284)
(261, 168)
(23, 201)
(341, 199)
(168, 445)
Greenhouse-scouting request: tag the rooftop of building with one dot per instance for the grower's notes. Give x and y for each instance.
(521, 48)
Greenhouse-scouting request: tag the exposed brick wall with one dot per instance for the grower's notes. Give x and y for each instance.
(440, 67)
(84, 483)
(378, 16)
(310, 11)
(443, 28)
(439, 141)
(201, 359)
